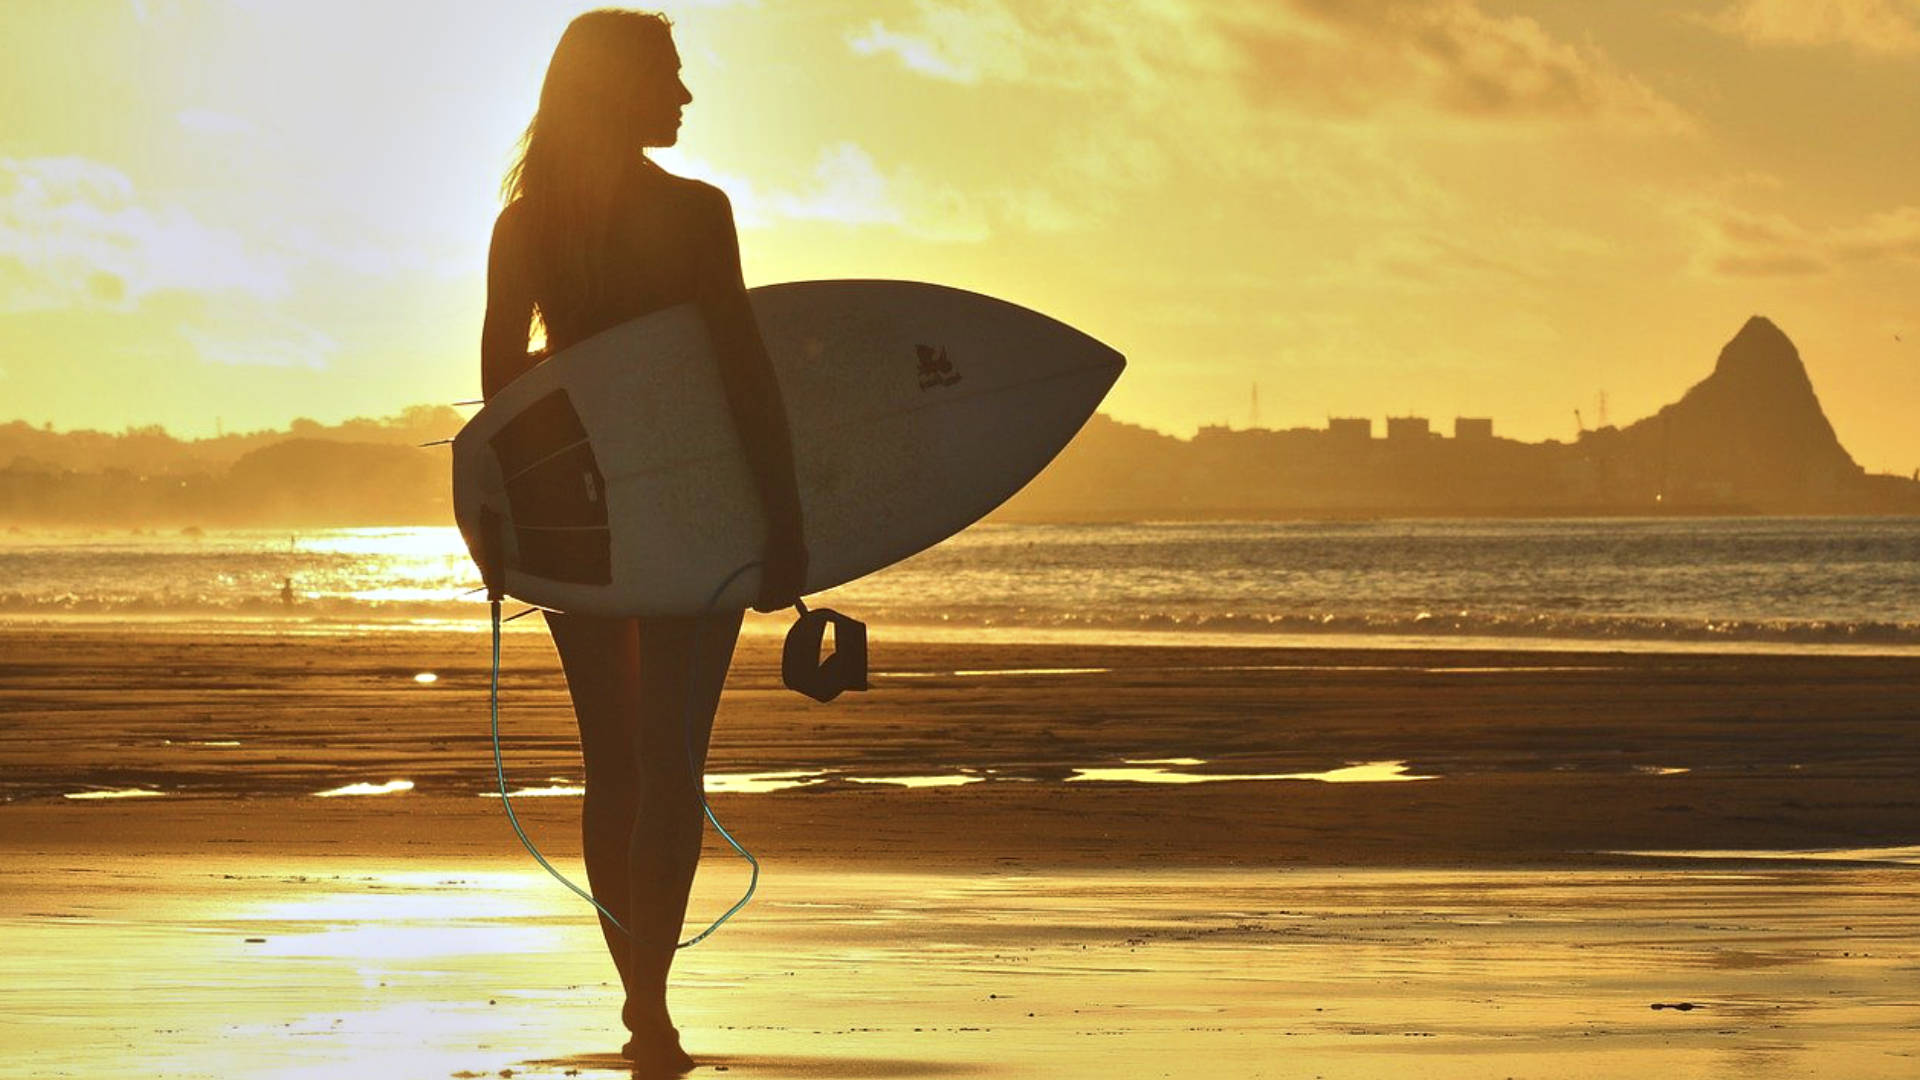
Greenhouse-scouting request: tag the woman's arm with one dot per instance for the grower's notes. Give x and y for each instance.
(503, 337)
(754, 396)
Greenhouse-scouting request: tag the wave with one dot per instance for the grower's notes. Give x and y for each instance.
(176, 606)
(1588, 627)
(1420, 623)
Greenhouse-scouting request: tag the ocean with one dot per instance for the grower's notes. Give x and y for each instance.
(1795, 584)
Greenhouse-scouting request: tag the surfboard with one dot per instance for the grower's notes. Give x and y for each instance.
(616, 475)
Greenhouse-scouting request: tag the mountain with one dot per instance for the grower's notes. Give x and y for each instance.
(1751, 432)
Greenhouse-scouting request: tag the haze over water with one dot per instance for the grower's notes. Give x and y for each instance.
(1774, 583)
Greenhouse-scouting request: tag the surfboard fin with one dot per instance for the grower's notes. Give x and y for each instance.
(801, 667)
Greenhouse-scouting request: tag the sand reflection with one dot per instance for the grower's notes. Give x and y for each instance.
(116, 793)
(1155, 771)
(947, 780)
(391, 787)
(975, 673)
(269, 966)
(759, 783)
(1903, 856)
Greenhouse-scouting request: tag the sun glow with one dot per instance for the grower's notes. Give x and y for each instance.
(420, 542)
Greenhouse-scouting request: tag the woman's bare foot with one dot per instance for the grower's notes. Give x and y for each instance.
(657, 1054)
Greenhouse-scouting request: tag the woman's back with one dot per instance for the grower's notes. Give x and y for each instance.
(659, 249)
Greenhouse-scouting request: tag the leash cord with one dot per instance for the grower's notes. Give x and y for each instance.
(700, 784)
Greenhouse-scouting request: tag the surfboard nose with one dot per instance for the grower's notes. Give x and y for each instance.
(1102, 367)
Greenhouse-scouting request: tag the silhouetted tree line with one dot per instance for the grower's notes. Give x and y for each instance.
(359, 472)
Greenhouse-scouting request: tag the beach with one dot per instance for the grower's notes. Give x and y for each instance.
(1002, 859)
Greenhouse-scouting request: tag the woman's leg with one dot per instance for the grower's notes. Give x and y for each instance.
(601, 658)
(669, 755)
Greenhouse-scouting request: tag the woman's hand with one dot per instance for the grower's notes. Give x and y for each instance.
(784, 570)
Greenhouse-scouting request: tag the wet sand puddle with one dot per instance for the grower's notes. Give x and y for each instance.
(1173, 770)
(1144, 771)
(1476, 669)
(1898, 856)
(760, 783)
(1141, 771)
(262, 970)
(391, 787)
(1157, 771)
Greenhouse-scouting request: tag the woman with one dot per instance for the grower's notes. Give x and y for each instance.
(593, 235)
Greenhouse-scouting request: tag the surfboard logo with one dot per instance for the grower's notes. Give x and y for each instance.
(935, 368)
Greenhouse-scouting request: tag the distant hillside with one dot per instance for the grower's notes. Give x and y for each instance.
(152, 450)
(317, 482)
(360, 472)
(1112, 470)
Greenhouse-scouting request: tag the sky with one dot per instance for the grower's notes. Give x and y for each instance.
(226, 214)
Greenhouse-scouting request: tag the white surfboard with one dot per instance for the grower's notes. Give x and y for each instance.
(916, 409)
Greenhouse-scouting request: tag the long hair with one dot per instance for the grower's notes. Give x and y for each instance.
(580, 142)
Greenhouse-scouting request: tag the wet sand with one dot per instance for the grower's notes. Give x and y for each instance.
(1479, 923)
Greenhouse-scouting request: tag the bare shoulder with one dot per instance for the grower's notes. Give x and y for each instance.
(711, 199)
(510, 226)
(698, 199)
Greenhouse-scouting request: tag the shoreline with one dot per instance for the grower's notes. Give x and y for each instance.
(1001, 635)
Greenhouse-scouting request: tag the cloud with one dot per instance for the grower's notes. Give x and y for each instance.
(146, 12)
(1326, 104)
(938, 57)
(74, 234)
(1450, 58)
(252, 338)
(210, 122)
(1054, 43)
(1348, 57)
(1517, 258)
(1742, 244)
(848, 188)
(1877, 27)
